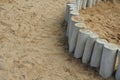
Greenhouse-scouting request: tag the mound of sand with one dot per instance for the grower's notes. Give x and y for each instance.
(104, 19)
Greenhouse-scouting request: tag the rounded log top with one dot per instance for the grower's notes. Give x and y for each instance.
(94, 35)
(86, 32)
(111, 46)
(102, 41)
(77, 19)
(80, 25)
(74, 12)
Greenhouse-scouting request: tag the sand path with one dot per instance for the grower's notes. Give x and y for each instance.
(32, 43)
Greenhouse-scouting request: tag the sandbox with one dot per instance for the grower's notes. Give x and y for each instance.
(104, 19)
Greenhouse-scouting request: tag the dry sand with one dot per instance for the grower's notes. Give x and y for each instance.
(32, 43)
(104, 19)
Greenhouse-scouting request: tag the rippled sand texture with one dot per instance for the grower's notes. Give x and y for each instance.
(104, 19)
(32, 43)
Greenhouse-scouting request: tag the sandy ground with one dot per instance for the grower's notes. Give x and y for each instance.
(32, 43)
(104, 19)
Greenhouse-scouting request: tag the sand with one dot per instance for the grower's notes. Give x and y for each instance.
(33, 44)
(104, 19)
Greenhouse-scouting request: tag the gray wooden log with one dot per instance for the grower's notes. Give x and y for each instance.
(94, 2)
(89, 48)
(108, 60)
(74, 20)
(97, 53)
(73, 41)
(82, 39)
(84, 4)
(68, 6)
(90, 3)
(72, 13)
(78, 4)
(117, 76)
